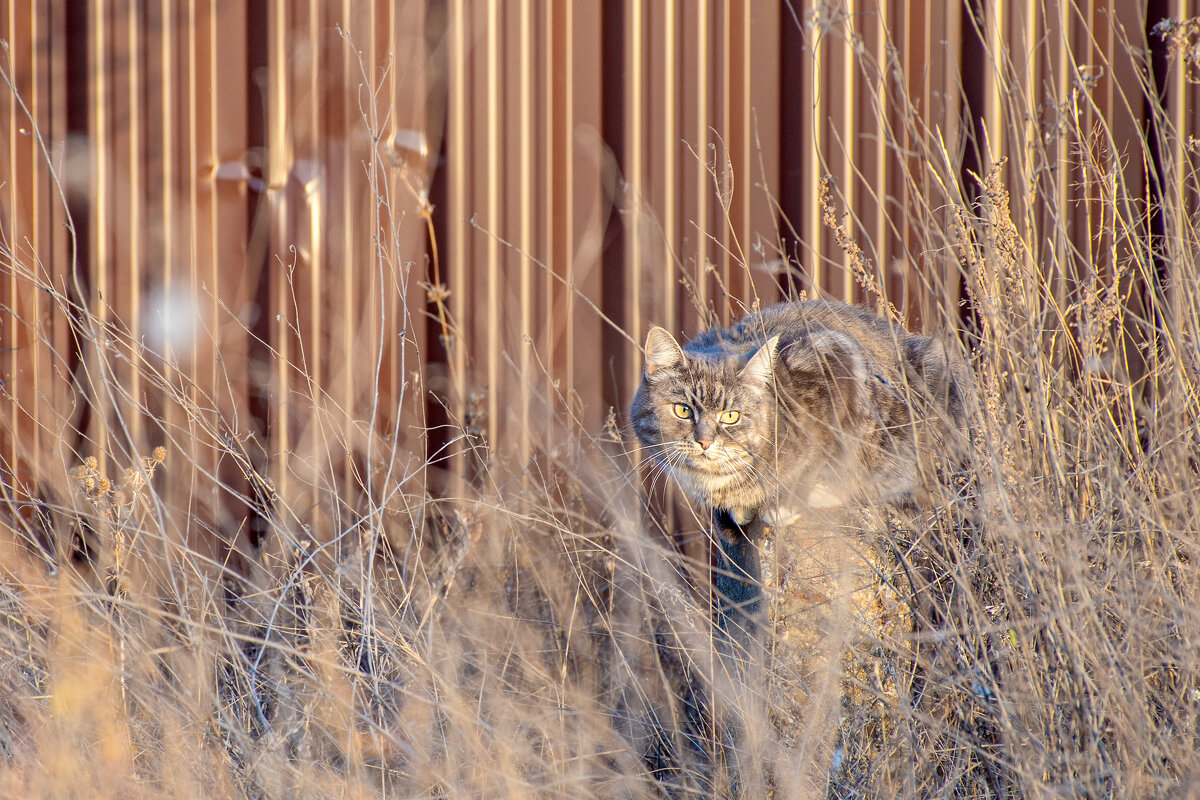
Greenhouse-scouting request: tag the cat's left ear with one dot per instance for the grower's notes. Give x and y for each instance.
(762, 364)
(662, 351)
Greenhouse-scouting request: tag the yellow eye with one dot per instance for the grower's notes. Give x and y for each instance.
(682, 411)
(730, 417)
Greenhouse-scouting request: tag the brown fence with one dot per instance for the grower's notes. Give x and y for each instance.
(337, 226)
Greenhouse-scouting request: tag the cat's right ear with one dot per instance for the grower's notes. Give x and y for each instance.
(759, 369)
(662, 351)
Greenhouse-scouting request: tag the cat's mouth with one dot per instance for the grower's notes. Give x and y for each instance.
(710, 463)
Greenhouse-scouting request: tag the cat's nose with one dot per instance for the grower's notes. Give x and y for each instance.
(704, 443)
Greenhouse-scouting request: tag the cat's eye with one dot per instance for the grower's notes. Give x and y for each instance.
(730, 417)
(682, 411)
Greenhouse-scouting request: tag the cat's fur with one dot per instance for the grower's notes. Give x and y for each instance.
(835, 405)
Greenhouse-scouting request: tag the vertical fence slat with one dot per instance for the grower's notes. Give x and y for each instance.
(281, 312)
(761, 119)
(525, 154)
(458, 202)
(586, 179)
(491, 342)
(100, 199)
(228, 297)
(633, 159)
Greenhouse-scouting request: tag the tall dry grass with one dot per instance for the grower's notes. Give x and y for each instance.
(1034, 632)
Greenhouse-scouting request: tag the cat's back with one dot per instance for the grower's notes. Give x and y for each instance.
(800, 320)
(890, 352)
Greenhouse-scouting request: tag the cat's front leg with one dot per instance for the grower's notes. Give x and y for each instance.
(739, 524)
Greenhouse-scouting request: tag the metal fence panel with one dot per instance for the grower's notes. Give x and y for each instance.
(335, 225)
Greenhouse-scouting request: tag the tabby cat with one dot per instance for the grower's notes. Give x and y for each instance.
(804, 405)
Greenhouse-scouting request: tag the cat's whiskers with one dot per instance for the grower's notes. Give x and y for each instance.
(664, 459)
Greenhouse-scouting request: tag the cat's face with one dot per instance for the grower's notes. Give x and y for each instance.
(707, 419)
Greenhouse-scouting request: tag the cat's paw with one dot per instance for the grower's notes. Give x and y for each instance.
(742, 516)
(780, 516)
(823, 497)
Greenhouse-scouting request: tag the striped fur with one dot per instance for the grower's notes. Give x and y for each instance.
(834, 405)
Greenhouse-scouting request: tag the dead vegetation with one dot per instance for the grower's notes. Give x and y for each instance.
(1035, 634)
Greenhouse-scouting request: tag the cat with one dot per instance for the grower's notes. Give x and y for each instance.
(802, 406)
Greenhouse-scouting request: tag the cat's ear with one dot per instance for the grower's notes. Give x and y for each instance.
(830, 354)
(761, 366)
(662, 351)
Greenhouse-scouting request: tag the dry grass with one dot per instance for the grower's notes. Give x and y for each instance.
(1035, 633)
